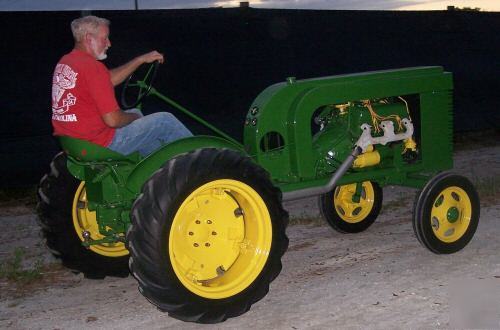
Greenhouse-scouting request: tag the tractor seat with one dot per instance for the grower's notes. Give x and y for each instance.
(86, 151)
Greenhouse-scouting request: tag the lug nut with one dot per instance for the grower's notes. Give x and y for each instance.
(195, 245)
(207, 244)
(238, 212)
(214, 233)
(209, 222)
(220, 270)
(191, 233)
(197, 222)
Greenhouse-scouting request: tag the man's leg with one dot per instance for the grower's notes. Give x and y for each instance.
(135, 110)
(148, 133)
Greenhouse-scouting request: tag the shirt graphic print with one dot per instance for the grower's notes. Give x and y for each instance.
(63, 81)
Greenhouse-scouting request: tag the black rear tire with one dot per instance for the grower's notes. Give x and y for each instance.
(56, 192)
(156, 243)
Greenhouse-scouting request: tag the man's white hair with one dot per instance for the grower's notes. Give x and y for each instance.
(86, 24)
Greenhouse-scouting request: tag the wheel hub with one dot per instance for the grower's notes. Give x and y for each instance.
(351, 206)
(220, 238)
(213, 230)
(452, 214)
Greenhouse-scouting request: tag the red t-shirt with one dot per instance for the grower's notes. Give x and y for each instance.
(81, 93)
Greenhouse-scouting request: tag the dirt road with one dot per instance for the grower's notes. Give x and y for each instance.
(379, 279)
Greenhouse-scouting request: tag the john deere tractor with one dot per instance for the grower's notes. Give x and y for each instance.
(200, 223)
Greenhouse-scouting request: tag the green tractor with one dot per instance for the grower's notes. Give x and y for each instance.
(200, 223)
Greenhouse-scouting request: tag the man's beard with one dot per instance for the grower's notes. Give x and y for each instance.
(102, 55)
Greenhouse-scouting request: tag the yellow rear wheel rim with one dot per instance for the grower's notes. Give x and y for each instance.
(347, 209)
(85, 220)
(220, 239)
(451, 214)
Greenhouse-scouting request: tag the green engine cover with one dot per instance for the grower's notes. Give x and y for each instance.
(300, 130)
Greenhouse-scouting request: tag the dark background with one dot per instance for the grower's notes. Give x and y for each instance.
(219, 60)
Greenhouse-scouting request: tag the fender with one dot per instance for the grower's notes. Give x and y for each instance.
(146, 167)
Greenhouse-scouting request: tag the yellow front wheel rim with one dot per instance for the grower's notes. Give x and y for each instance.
(85, 220)
(451, 214)
(220, 239)
(349, 210)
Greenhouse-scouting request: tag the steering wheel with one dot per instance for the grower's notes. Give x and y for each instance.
(128, 101)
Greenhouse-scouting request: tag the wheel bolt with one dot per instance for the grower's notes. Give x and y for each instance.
(238, 212)
(207, 244)
(197, 222)
(214, 233)
(191, 233)
(195, 245)
(209, 221)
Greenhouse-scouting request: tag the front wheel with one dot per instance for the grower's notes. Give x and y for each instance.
(207, 236)
(446, 213)
(351, 208)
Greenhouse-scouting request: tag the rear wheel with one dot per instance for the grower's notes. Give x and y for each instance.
(352, 208)
(207, 236)
(446, 213)
(64, 217)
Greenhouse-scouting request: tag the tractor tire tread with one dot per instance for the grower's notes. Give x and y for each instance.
(160, 197)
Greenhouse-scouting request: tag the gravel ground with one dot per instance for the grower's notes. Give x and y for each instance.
(379, 279)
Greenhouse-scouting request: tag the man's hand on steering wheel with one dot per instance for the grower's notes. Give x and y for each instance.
(140, 88)
(151, 57)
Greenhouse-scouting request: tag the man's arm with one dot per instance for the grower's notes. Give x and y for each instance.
(119, 74)
(119, 118)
